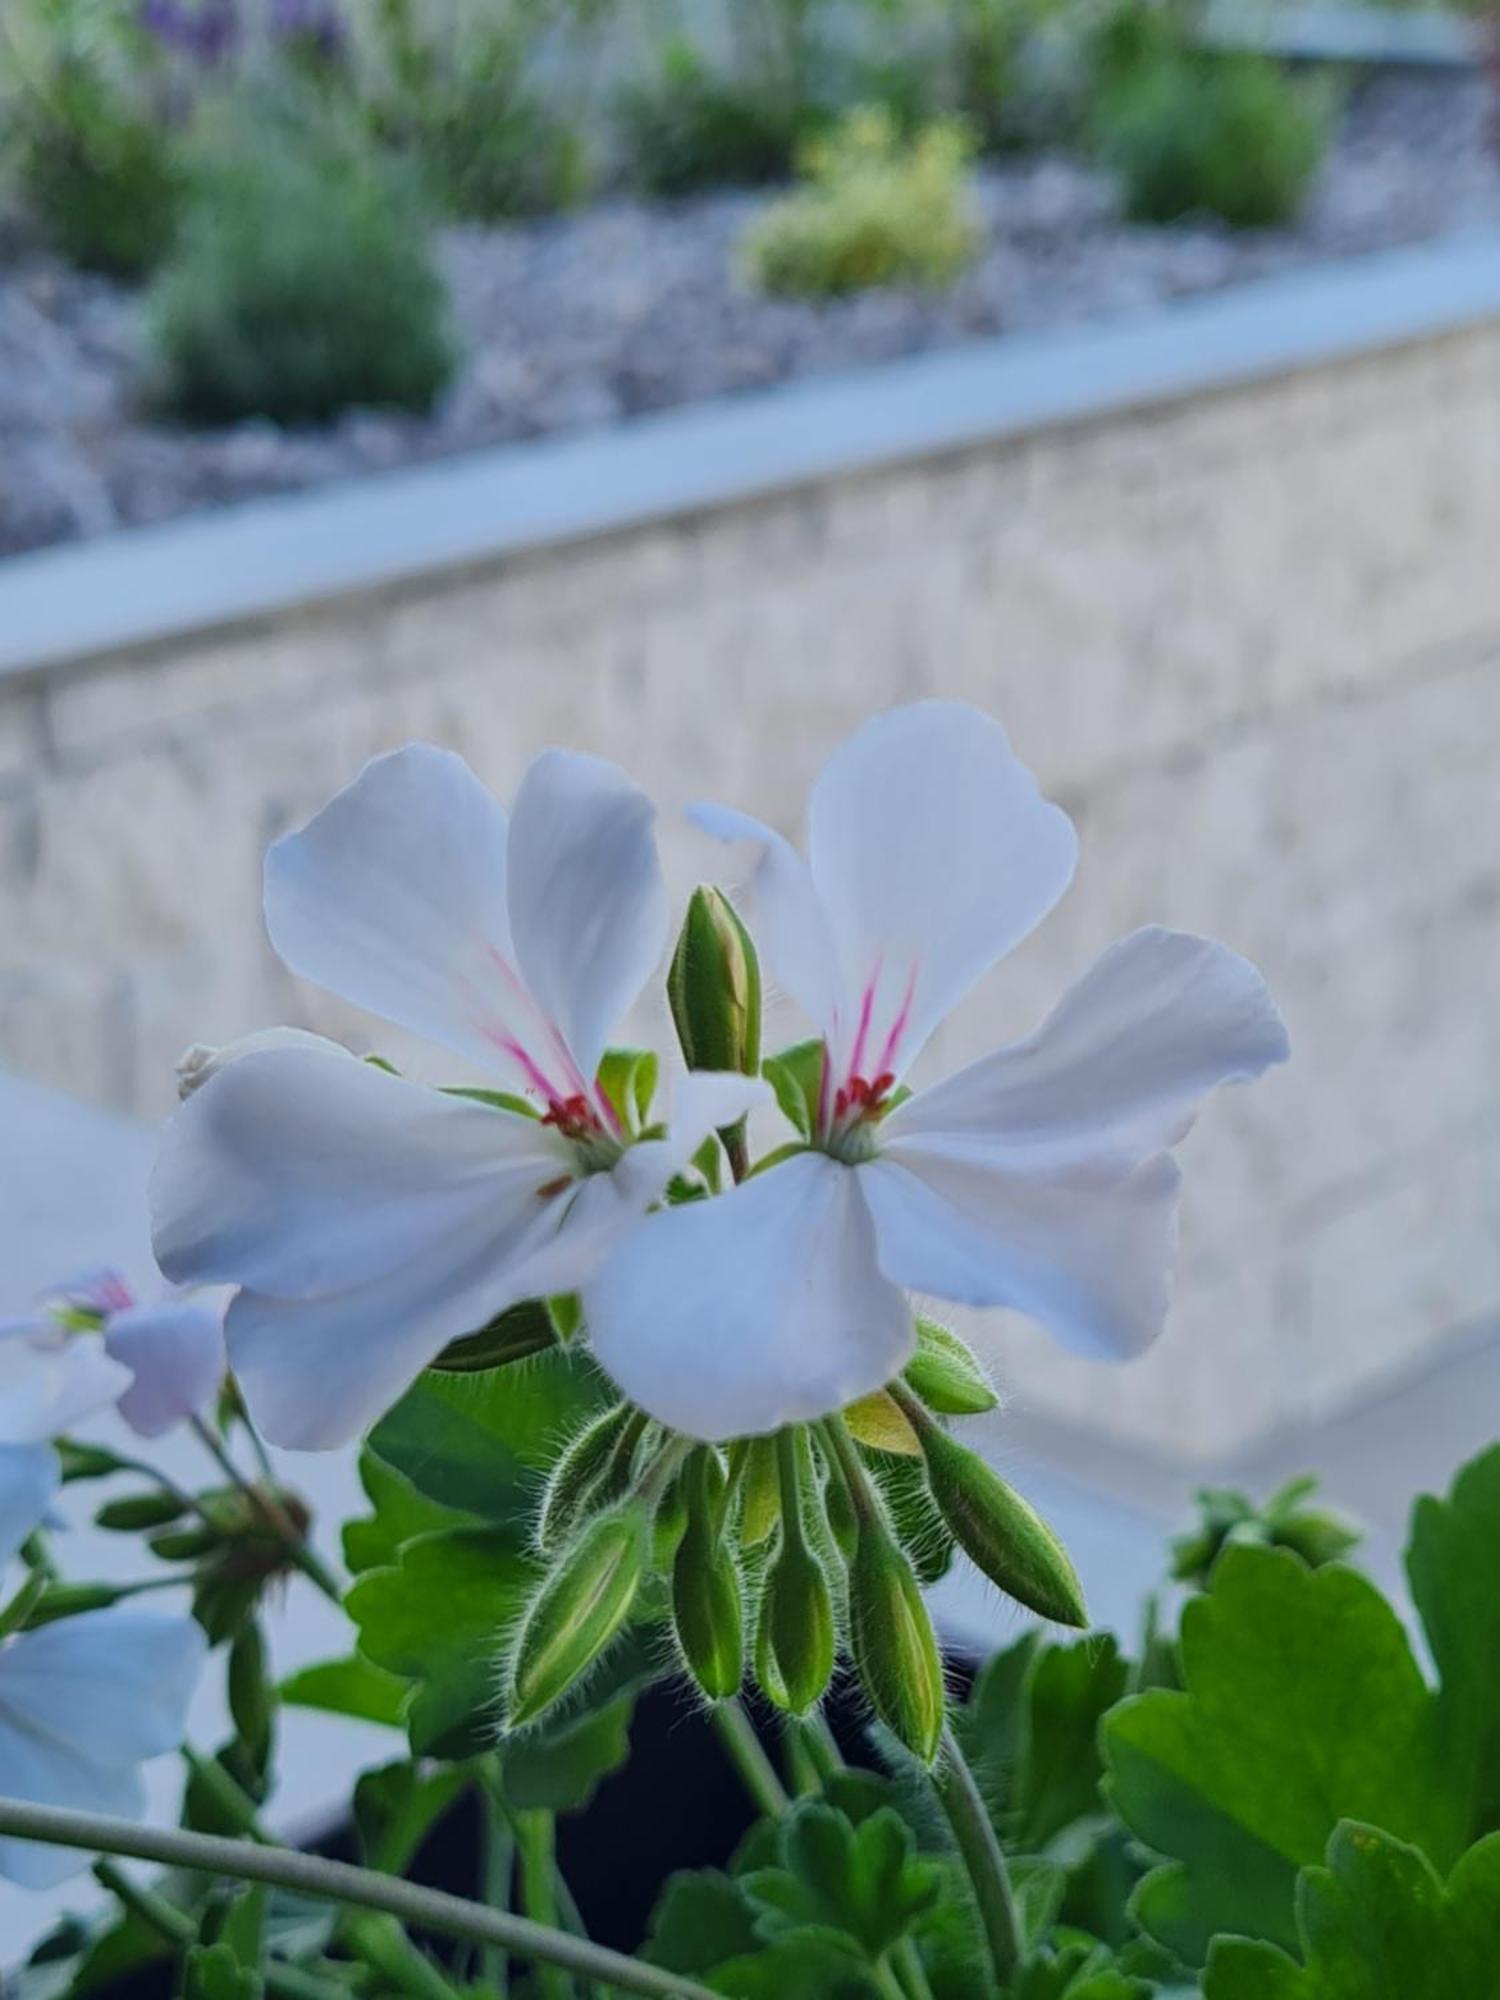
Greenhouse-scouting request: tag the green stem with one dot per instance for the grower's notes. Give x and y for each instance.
(338, 1882)
(846, 1459)
(536, 1838)
(911, 1972)
(169, 1923)
(748, 1756)
(499, 1863)
(980, 1852)
(381, 1942)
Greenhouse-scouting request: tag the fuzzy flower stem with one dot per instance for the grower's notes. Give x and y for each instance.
(298, 1548)
(338, 1882)
(746, 1753)
(980, 1851)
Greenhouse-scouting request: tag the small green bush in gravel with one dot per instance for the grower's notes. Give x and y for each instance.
(876, 209)
(689, 127)
(1230, 136)
(302, 285)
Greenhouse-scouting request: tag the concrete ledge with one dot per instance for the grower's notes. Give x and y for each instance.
(149, 586)
(1418, 38)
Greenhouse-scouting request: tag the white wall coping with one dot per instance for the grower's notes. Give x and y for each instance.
(150, 586)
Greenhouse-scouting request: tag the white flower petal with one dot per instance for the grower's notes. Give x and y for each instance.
(29, 1476)
(587, 903)
(393, 896)
(933, 853)
(759, 1307)
(175, 1353)
(295, 1173)
(197, 1064)
(317, 1372)
(109, 1687)
(1118, 1068)
(45, 1390)
(1087, 1252)
(791, 925)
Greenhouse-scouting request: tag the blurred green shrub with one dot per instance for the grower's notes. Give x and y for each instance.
(1231, 136)
(100, 175)
(876, 209)
(301, 285)
(687, 127)
(463, 103)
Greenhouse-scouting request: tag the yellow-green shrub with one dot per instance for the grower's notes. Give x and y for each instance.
(874, 209)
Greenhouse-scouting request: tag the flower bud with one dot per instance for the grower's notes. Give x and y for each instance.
(707, 1613)
(140, 1510)
(66, 1600)
(250, 1700)
(578, 1610)
(1001, 1533)
(714, 987)
(946, 1375)
(579, 1466)
(891, 1637)
(762, 1507)
(796, 1641)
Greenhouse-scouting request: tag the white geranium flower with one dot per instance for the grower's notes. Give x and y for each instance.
(49, 1381)
(1037, 1178)
(370, 1220)
(159, 1361)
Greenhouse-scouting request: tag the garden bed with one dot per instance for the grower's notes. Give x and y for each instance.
(628, 306)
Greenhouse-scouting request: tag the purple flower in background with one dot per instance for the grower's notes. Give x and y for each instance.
(316, 26)
(206, 31)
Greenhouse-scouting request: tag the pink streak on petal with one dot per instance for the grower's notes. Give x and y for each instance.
(866, 1009)
(898, 1026)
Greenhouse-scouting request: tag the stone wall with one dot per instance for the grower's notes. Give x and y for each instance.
(1251, 640)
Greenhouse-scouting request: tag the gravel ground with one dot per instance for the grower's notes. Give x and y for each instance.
(627, 307)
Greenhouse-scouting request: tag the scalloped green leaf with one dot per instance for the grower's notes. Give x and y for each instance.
(1302, 1705)
(1377, 1923)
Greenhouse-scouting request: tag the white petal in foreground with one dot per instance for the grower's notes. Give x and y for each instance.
(47, 1388)
(200, 1062)
(1118, 1069)
(393, 897)
(1087, 1254)
(82, 1702)
(587, 903)
(933, 853)
(29, 1476)
(757, 1308)
(175, 1353)
(297, 1173)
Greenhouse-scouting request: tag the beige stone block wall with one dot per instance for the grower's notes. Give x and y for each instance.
(1252, 641)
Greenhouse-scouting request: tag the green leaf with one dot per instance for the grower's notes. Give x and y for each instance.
(1377, 1923)
(401, 1514)
(476, 1442)
(628, 1079)
(437, 1618)
(1067, 1692)
(991, 1725)
(514, 1335)
(396, 1807)
(701, 1920)
(863, 1881)
(1455, 1584)
(796, 1076)
(1077, 1972)
(1303, 1705)
(559, 1766)
(212, 1972)
(348, 1687)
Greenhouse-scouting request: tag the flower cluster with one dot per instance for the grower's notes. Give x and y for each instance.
(373, 1225)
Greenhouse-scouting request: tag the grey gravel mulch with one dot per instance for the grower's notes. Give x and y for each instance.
(589, 318)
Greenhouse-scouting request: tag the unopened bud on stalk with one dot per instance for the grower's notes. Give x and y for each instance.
(577, 1469)
(136, 1511)
(706, 1607)
(891, 1636)
(1001, 1533)
(796, 1641)
(714, 987)
(945, 1374)
(762, 1506)
(578, 1610)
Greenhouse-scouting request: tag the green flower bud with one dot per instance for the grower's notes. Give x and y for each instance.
(946, 1375)
(714, 987)
(762, 1506)
(65, 1600)
(796, 1640)
(185, 1544)
(515, 1335)
(706, 1608)
(139, 1510)
(579, 1466)
(891, 1637)
(250, 1700)
(1001, 1533)
(578, 1610)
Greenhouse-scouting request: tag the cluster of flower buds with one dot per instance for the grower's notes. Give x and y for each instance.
(772, 1556)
